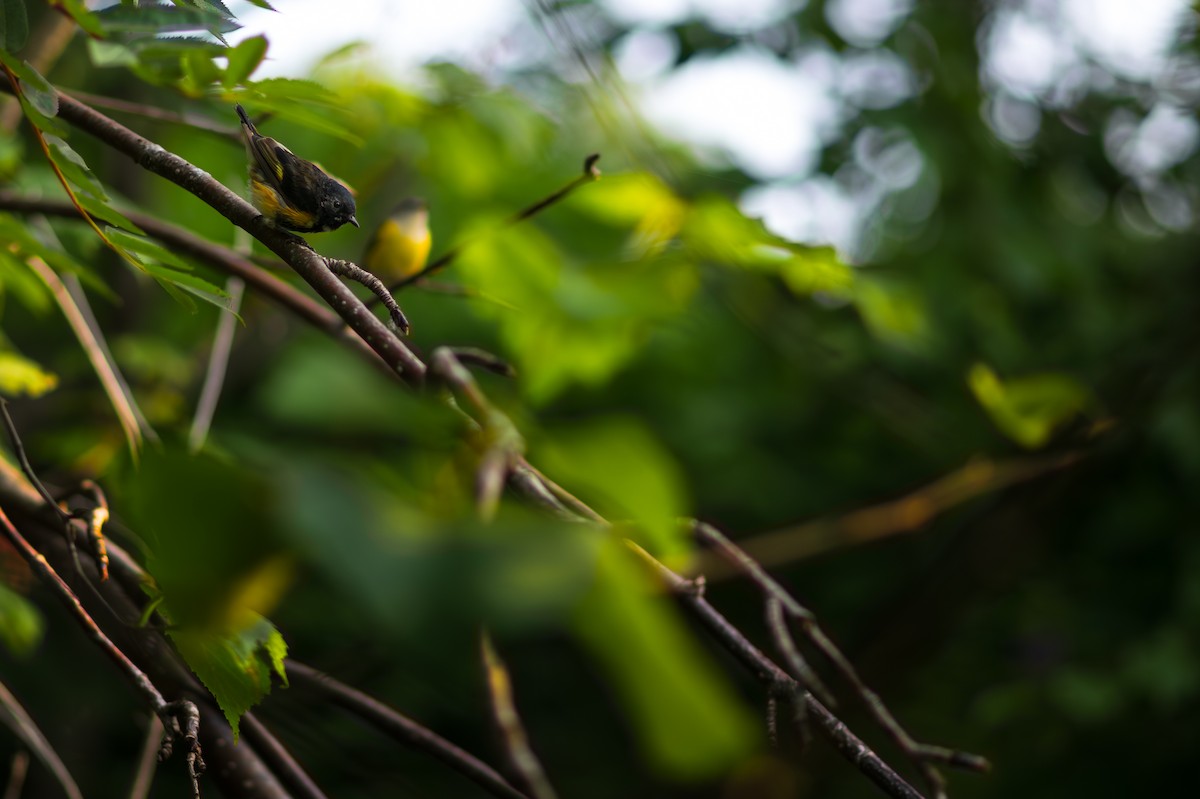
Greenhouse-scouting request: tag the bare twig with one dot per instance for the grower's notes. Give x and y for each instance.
(14, 716)
(180, 717)
(143, 778)
(403, 729)
(218, 363)
(590, 173)
(905, 515)
(504, 707)
(360, 275)
(779, 681)
(16, 775)
(280, 759)
(778, 602)
(106, 371)
(499, 442)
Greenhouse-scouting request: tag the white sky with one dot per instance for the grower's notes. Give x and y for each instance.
(769, 116)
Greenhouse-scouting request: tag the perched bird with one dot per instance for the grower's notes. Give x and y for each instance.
(399, 246)
(293, 193)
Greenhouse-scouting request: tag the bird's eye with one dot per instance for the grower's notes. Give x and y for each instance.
(337, 203)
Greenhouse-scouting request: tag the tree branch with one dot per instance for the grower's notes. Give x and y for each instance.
(403, 729)
(293, 250)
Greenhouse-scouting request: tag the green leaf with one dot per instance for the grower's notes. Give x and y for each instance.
(244, 59)
(894, 313)
(105, 53)
(21, 376)
(199, 72)
(35, 88)
(304, 102)
(168, 267)
(211, 549)
(21, 622)
(102, 208)
(689, 720)
(405, 566)
(261, 4)
(18, 279)
(14, 24)
(74, 167)
(617, 466)
(157, 19)
(235, 668)
(1028, 409)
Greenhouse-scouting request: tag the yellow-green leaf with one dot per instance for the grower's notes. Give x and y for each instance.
(21, 376)
(1028, 409)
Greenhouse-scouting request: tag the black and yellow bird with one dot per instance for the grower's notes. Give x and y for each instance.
(399, 246)
(293, 193)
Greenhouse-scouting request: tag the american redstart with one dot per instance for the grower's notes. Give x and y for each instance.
(399, 246)
(293, 193)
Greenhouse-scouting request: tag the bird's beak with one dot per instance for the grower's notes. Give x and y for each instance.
(354, 221)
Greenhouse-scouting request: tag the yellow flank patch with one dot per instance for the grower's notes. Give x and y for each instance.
(267, 200)
(395, 254)
(264, 198)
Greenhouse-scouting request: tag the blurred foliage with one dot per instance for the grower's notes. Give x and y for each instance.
(675, 356)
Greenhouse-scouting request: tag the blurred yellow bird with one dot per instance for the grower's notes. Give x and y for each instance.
(399, 246)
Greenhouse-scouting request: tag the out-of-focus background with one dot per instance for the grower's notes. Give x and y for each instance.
(902, 295)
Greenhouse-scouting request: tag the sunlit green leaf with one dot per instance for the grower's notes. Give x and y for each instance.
(21, 376)
(893, 312)
(689, 720)
(105, 53)
(619, 468)
(20, 622)
(235, 667)
(244, 59)
(1028, 409)
(304, 102)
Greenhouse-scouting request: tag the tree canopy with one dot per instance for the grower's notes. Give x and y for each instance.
(667, 482)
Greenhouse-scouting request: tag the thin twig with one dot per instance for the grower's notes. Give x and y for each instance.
(500, 443)
(736, 643)
(14, 716)
(143, 778)
(778, 601)
(590, 173)
(403, 729)
(504, 707)
(75, 288)
(180, 717)
(191, 121)
(17, 771)
(360, 275)
(106, 371)
(218, 363)
(907, 514)
(279, 759)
